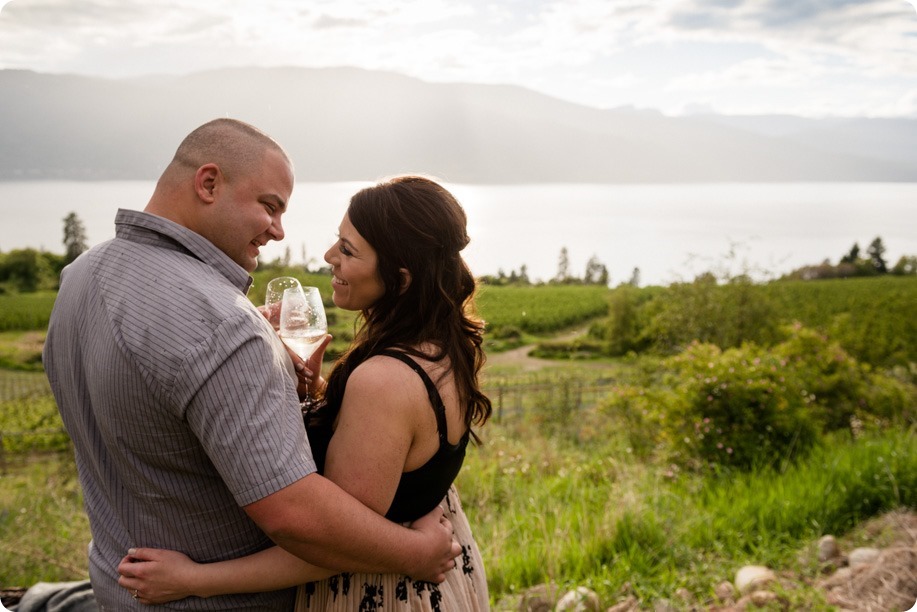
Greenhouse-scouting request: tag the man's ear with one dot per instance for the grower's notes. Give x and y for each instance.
(206, 180)
(405, 279)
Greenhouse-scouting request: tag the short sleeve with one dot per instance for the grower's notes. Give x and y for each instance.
(240, 401)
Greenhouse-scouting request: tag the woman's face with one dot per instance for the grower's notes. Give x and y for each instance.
(354, 264)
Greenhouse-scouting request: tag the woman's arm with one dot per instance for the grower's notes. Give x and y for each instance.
(160, 576)
(385, 405)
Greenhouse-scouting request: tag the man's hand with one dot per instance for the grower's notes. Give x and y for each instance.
(443, 547)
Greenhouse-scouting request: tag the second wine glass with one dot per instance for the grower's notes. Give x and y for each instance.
(303, 324)
(273, 298)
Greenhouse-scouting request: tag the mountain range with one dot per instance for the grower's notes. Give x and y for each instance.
(343, 124)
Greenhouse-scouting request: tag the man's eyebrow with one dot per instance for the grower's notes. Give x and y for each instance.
(276, 200)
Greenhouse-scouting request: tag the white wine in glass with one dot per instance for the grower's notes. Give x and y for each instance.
(303, 324)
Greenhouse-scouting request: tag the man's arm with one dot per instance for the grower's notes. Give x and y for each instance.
(317, 521)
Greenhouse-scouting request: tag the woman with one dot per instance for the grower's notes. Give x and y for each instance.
(396, 413)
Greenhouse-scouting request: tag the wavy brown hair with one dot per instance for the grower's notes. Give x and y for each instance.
(414, 223)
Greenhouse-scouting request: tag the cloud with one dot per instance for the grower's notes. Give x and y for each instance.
(326, 21)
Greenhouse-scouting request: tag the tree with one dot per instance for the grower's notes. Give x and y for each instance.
(596, 272)
(563, 266)
(875, 251)
(23, 268)
(634, 278)
(906, 266)
(852, 256)
(74, 237)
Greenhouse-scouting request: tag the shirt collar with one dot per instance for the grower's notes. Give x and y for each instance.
(138, 225)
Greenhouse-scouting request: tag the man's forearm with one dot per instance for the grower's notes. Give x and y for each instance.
(317, 521)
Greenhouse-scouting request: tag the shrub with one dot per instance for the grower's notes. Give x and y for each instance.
(623, 329)
(638, 412)
(840, 387)
(748, 406)
(722, 314)
(737, 407)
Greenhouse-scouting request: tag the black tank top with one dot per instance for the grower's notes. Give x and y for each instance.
(420, 490)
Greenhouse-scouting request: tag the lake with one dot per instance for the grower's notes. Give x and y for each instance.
(669, 232)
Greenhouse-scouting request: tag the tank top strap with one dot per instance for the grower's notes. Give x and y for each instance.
(439, 409)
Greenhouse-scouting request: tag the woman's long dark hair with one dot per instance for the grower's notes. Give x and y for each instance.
(416, 224)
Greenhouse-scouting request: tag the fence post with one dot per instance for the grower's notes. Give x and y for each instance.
(500, 404)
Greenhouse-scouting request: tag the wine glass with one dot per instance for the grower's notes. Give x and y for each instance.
(274, 296)
(303, 324)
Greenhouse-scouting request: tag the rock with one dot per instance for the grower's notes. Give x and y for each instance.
(827, 549)
(756, 599)
(539, 598)
(842, 575)
(724, 591)
(863, 556)
(628, 605)
(579, 599)
(752, 577)
(664, 605)
(684, 595)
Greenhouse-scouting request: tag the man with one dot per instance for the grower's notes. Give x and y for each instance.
(180, 399)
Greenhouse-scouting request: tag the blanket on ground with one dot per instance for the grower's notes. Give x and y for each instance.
(58, 597)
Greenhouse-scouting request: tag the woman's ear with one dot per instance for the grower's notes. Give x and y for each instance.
(205, 181)
(405, 279)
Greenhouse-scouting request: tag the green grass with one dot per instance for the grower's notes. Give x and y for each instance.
(45, 531)
(578, 510)
(557, 500)
(23, 311)
(540, 309)
(555, 494)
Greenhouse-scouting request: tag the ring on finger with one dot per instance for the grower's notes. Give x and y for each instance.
(136, 593)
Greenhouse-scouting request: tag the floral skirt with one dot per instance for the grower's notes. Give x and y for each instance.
(465, 588)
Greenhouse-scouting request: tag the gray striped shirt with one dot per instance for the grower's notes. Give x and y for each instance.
(180, 401)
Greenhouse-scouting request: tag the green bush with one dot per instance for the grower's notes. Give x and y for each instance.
(737, 407)
(843, 390)
(623, 330)
(750, 406)
(706, 311)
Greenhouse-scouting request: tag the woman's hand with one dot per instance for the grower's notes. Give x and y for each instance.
(155, 576)
(308, 373)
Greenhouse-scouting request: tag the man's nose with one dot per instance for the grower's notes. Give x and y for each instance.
(276, 230)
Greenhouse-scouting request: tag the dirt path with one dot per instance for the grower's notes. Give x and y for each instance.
(520, 356)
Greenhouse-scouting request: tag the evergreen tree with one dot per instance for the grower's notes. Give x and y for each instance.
(853, 255)
(875, 251)
(74, 237)
(563, 266)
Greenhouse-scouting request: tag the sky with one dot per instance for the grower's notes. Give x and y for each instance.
(814, 58)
